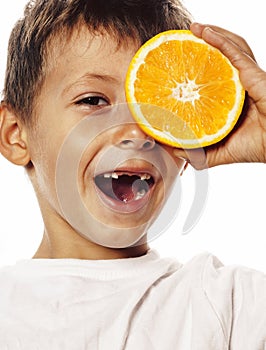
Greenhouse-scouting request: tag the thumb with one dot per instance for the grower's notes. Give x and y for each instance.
(195, 157)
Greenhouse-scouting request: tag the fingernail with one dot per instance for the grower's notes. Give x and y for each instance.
(183, 158)
(180, 157)
(196, 24)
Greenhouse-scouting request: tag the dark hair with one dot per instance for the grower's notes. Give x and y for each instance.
(46, 19)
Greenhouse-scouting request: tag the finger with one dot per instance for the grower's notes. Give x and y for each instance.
(252, 77)
(249, 72)
(196, 157)
(198, 29)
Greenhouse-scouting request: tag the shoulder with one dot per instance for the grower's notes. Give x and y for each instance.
(237, 295)
(238, 283)
(212, 274)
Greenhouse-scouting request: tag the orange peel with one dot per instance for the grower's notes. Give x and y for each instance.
(182, 91)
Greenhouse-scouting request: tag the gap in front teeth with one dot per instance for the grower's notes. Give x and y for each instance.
(115, 176)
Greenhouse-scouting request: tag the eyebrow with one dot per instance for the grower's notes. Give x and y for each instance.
(92, 76)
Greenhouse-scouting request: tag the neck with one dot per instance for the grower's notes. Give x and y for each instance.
(78, 247)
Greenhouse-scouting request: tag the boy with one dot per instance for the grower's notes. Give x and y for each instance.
(94, 283)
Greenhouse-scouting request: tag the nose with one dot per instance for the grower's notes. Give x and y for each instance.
(139, 144)
(136, 139)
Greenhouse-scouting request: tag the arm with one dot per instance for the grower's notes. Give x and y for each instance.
(247, 142)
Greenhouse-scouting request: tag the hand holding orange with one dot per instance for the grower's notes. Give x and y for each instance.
(183, 91)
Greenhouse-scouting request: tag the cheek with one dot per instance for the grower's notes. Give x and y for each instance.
(44, 150)
(180, 163)
(44, 172)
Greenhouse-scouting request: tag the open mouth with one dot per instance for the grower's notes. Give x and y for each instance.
(125, 186)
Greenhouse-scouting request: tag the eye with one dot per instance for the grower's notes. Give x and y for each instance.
(93, 101)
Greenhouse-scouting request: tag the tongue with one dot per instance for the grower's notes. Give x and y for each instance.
(123, 189)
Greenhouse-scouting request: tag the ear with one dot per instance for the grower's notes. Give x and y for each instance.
(13, 137)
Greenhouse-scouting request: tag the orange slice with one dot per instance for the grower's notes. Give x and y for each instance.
(182, 91)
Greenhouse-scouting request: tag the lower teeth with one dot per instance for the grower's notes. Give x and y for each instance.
(140, 194)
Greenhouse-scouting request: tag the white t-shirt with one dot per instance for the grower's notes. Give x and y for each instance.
(148, 303)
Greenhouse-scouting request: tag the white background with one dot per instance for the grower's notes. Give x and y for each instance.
(233, 223)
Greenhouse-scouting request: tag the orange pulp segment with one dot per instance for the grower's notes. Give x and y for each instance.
(182, 91)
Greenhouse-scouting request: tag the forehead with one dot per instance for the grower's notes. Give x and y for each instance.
(95, 50)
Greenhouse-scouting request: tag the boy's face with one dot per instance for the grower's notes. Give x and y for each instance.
(122, 176)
